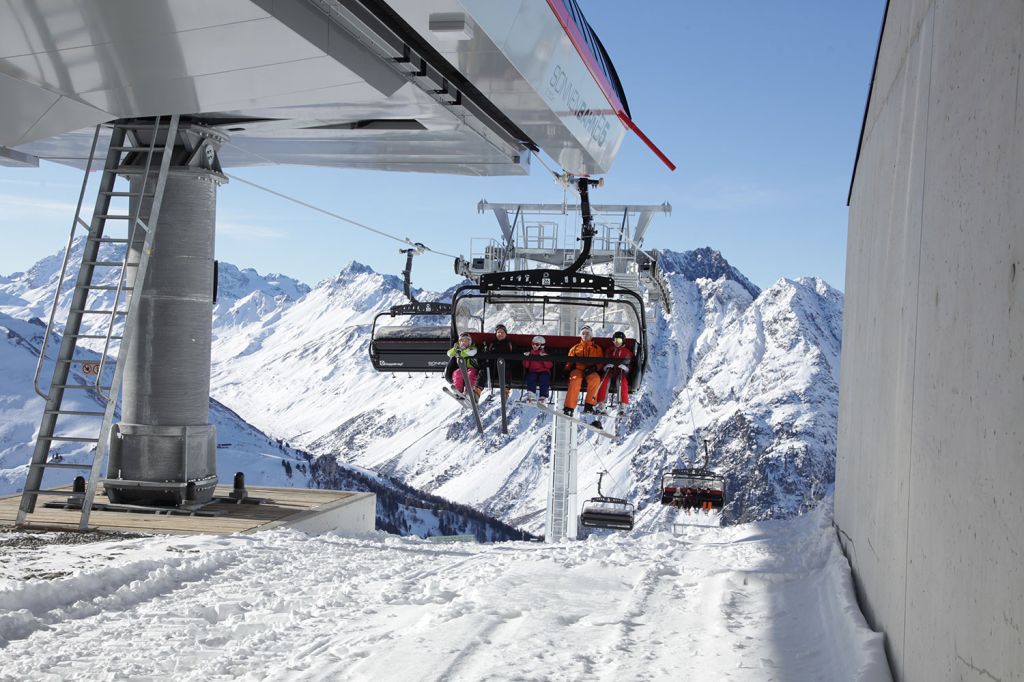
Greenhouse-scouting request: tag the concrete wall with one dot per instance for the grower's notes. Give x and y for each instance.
(930, 471)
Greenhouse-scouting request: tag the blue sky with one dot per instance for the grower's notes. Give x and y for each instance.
(758, 103)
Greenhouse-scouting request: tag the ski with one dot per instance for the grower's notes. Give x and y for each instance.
(461, 398)
(558, 413)
(467, 399)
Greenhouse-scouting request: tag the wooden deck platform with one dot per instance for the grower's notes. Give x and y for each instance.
(312, 511)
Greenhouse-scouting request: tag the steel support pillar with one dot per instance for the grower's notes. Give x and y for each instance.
(561, 521)
(562, 513)
(164, 449)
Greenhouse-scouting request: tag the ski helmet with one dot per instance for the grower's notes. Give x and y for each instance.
(620, 336)
(465, 335)
(539, 340)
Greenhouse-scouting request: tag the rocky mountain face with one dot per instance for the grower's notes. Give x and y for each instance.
(754, 373)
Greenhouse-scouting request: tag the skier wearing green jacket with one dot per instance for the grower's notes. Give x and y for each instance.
(464, 349)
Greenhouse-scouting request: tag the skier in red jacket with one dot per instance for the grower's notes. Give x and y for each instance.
(619, 369)
(538, 371)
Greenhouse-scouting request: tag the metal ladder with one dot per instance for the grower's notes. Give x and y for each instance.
(151, 162)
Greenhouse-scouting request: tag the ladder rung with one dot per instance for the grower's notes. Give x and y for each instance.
(84, 387)
(113, 216)
(107, 288)
(108, 240)
(126, 194)
(142, 150)
(74, 361)
(98, 312)
(77, 413)
(61, 465)
(70, 439)
(55, 493)
(110, 263)
(93, 336)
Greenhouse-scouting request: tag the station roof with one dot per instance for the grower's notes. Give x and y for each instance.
(451, 86)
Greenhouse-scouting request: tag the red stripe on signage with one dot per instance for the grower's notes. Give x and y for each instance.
(576, 38)
(639, 133)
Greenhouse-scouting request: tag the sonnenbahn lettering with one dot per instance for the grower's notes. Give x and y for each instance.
(594, 123)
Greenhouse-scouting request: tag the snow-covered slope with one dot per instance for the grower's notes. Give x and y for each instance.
(752, 372)
(767, 601)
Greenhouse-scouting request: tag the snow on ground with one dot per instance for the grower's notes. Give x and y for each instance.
(765, 601)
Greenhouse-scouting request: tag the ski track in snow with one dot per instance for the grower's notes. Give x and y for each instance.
(767, 601)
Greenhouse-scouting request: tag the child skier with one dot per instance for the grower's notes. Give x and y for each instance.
(467, 351)
(538, 372)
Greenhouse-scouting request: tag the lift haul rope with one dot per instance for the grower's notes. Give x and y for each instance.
(401, 240)
(559, 178)
(603, 466)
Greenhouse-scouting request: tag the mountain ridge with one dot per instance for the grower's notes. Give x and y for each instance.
(753, 372)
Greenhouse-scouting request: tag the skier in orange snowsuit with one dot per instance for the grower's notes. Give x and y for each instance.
(580, 372)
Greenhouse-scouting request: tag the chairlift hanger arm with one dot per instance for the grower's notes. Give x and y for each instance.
(417, 249)
(588, 231)
(568, 277)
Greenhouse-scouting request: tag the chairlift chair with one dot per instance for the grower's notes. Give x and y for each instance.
(607, 512)
(412, 347)
(594, 299)
(694, 487)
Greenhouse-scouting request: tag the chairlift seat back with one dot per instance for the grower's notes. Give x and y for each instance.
(557, 346)
(689, 489)
(412, 348)
(607, 512)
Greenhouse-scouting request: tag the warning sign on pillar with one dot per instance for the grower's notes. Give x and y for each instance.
(90, 368)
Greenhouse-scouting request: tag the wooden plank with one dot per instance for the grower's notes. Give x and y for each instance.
(283, 503)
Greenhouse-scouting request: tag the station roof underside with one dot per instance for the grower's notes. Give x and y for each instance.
(450, 86)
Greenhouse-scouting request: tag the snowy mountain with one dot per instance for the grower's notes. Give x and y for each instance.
(752, 372)
(245, 298)
(240, 447)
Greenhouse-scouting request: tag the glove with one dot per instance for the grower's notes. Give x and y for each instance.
(624, 368)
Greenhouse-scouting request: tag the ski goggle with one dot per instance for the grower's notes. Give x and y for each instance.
(618, 341)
